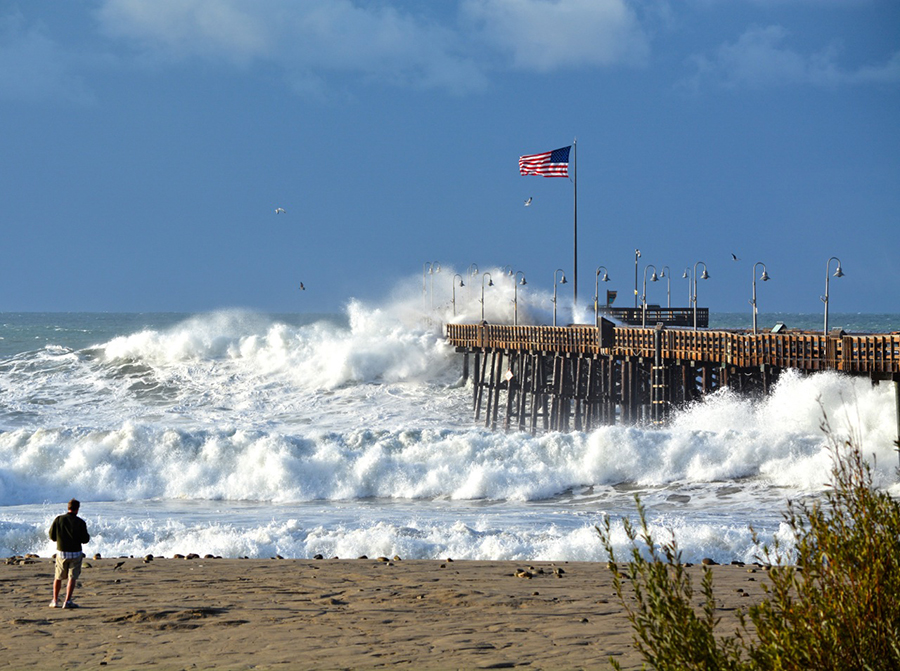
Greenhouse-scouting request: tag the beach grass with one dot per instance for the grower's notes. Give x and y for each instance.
(832, 598)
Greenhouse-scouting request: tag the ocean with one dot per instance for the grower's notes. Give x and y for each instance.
(240, 434)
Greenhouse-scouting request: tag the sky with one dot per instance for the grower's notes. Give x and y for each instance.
(146, 145)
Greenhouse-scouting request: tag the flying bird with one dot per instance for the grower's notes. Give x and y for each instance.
(528, 202)
(302, 288)
(279, 210)
(734, 257)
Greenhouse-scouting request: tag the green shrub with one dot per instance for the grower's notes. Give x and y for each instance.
(832, 599)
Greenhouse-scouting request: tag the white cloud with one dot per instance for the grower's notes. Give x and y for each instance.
(759, 58)
(888, 73)
(546, 35)
(177, 29)
(33, 67)
(447, 46)
(307, 40)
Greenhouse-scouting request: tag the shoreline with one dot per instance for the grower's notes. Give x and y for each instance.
(204, 613)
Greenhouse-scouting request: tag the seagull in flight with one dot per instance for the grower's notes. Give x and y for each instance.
(734, 257)
(302, 288)
(528, 202)
(279, 210)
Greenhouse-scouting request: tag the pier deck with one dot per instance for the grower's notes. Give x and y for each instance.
(580, 376)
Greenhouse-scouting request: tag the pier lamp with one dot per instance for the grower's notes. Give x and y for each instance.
(507, 270)
(435, 268)
(653, 278)
(764, 278)
(453, 286)
(426, 268)
(704, 276)
(837, 273)
(637, 255)
(472, 273)
(516, 295)
(429, 268)
(687, 276)
(556, 273)
(490, 284)
(665, 272)
(599, 279)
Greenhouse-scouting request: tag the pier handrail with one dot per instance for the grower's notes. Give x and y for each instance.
(873, 354)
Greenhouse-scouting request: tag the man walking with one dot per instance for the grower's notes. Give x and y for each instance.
(69, 531)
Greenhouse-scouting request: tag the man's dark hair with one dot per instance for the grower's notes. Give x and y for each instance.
(74, 505)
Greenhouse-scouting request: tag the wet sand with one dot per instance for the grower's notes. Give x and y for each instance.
(328, 614)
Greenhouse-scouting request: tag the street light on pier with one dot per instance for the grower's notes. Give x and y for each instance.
(426, 268)
(665, 272)
(764, 278)
(653, 278)
(687, 276)
(453, 286)
(637, 255)
(490, 284)
(429, 268)
(435, 268)
(516, 295)
(704, 276)
(837, 273)
(597, 281)
(555, 283)
(471, 273)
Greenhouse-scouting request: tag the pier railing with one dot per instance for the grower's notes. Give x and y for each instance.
(877, 355)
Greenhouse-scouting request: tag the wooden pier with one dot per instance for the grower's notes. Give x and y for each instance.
(561, 378)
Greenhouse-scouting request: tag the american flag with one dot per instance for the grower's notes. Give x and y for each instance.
(549, 164)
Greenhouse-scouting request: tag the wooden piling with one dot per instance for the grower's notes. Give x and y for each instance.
(582, 377)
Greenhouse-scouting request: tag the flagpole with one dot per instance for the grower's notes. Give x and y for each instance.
(575, 263)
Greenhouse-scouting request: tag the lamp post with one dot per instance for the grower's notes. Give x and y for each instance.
(597, 281)
(556, 282)
(653, 278)
(687, 276)
(490, 284)
(435, 268)
(471, 273)
(516, 295)
(765, 278)
(429, 268)
(837, 273)
(453, 290)
(426, 268)
(704, 276)
(665, 272)
(637, 255)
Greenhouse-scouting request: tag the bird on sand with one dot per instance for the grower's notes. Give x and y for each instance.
(528, 202)
(302, 288)
(279, 210)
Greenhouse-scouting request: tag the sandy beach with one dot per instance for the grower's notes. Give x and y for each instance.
(328, 614)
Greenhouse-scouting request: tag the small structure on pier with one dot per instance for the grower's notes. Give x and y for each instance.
(532, 378)
(654, 314)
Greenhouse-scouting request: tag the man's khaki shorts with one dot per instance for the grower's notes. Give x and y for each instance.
(68, 568)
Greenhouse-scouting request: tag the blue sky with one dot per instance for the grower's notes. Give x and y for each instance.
(146, 145)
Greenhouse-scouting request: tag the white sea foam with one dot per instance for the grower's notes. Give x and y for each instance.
(237, 434)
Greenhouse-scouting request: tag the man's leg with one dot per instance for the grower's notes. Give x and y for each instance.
(61, 571)
(70, 587)
(74, 566)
